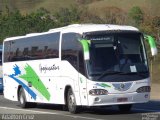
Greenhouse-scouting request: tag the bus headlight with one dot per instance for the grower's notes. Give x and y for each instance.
(98, 92)
(143, 89)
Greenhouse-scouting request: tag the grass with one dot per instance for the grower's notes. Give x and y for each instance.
(54, 5)
(151, 7)
(27, 6)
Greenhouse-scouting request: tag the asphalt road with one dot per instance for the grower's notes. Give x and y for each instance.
(10, 110)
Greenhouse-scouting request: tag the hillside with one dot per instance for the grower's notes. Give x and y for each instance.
(151, 7)
(27, 6)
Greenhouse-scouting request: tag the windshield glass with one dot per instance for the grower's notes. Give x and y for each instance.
(116, 53)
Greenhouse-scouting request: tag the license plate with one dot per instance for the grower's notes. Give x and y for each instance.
(122, 99)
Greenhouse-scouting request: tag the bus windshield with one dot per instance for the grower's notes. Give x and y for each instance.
(116, 54)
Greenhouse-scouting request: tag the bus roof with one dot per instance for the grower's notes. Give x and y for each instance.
(82, 28)
(79, 28)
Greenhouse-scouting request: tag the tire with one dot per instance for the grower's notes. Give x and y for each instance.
(22, 99)
(64, 108)
(71, 102)
(32, 104)
(125, 108)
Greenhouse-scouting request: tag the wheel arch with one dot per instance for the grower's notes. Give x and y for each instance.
(65, 93)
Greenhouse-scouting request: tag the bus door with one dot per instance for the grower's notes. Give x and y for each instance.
(82, 79)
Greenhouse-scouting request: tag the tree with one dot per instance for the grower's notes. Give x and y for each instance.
(136, 14)
(156, 21)
(114, 15)
(16, 24)
(38, 21)
(156, 24)
(66, 16)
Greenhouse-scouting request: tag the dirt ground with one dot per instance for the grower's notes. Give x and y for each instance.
(155, 91)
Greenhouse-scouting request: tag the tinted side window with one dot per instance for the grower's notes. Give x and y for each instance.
(72, 51)
(70, 48)
(7, 46)
(37, 47)
(82, 69)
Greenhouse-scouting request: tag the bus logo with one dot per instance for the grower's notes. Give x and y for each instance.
(122, 86)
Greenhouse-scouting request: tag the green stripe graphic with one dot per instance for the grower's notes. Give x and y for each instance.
(152, 44)
(151, 41)
(85, 44)
(105, 85)
(33, 78)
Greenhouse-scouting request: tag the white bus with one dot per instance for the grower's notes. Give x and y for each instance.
(78, 65)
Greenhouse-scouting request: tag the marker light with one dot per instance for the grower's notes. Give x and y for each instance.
(143, 89)
(98, 92)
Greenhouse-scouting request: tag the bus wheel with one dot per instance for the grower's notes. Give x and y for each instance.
(22, 99)
(125, 108)
(71, 102)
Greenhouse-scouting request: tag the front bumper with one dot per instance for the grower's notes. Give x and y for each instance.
(116, 99)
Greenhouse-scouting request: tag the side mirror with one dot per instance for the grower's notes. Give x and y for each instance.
(152, 44)
(85, 46)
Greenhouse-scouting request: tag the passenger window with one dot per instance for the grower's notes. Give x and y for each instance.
(7, 45)
(31, 48)
(69, 48)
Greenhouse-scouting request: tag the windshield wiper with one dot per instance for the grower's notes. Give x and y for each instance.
(108, 73)
(122, 73)
(134, 73)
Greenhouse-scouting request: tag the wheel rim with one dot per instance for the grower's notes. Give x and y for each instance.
(71, 102)
(21, 99)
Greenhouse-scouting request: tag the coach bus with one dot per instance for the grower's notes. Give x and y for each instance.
(79, 65)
